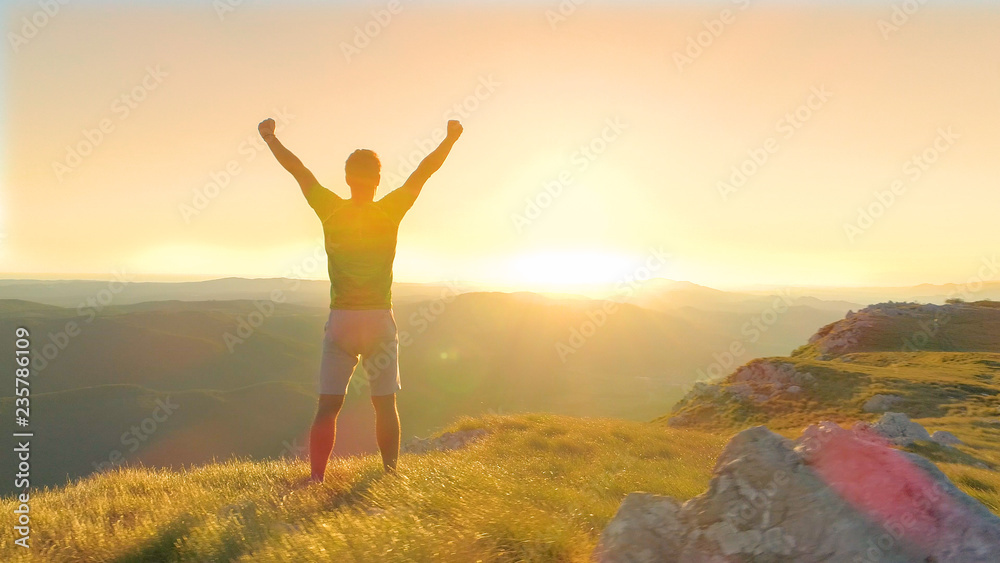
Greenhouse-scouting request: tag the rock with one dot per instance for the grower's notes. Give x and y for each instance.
(897, 428)
(915, 502)
(945, 438)
(760, 381)
(881, 403)
(645, 527)
(445, 442)
(756, 382)
(832, 495)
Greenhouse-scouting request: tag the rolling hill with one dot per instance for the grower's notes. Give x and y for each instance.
(465, 354)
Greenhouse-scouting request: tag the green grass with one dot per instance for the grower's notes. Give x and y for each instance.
(537, 488)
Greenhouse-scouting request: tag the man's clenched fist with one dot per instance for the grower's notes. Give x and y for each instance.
(266, 127)
(454, 129)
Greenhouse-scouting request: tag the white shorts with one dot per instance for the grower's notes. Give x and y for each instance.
(368, 333)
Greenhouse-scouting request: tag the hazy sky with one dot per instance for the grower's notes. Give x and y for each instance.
(838, 103)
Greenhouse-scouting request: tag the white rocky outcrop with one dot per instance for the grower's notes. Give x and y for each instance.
(896, 428)
(757, 381)
(831, 496)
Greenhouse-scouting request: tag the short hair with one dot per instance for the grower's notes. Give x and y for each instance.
(363, 162)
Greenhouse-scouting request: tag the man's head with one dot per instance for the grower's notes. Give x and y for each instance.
(363, 174)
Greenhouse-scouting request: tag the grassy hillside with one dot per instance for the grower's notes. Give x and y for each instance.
(956, 390)
(536, 488)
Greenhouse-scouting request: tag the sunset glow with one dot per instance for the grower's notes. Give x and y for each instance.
(761, 157)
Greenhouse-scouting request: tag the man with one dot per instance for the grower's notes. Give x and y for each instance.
(360, 235)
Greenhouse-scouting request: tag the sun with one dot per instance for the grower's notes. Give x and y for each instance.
(566, 270)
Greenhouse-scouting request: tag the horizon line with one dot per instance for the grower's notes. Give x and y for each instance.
(534, 288)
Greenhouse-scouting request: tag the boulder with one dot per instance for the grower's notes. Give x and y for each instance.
(897, 428)
(645, 527)
(832, 495)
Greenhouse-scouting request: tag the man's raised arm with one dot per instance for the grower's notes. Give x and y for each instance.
(432, 162)
(286, 159)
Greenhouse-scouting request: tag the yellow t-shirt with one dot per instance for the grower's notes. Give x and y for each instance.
(360, 245)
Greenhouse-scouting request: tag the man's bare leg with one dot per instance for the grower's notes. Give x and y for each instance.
(387, 430)
(323, 434)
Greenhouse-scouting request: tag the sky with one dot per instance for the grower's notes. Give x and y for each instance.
(731, 144)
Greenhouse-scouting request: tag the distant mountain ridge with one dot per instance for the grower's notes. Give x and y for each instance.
(121, 291)
(655, 293)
